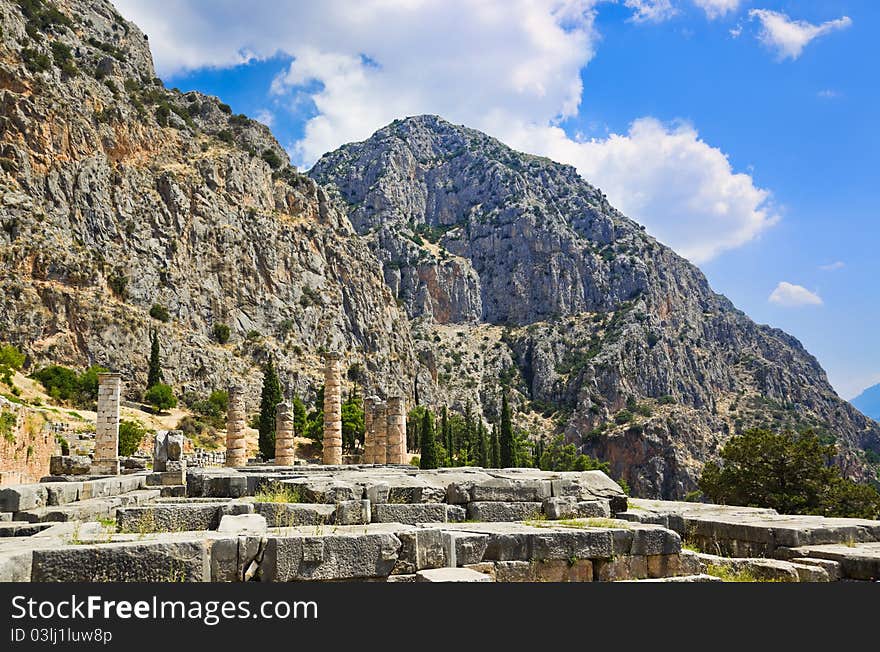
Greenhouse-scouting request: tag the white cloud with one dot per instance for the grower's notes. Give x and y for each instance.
(789, 295)
(789, 37)
(828, 94)
(717, 8)
(265, 116)
(833, 267)
(651, 11)
(510, 68)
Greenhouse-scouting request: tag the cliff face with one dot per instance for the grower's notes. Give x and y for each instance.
(118, 194)
(597, 324)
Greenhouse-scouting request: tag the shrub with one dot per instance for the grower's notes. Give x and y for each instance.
(559, 456)
(131, 434)
(59, 382)
(225, 136)
(272, 158)
(221, 333)
(7, 426)
(35, 61)
(225, 108)
(63, 57)
(11, 357)
(622, 417)
(161, 397)
(160, 313)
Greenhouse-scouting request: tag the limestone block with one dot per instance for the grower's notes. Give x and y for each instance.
(70, 465)
(140, 561)
(61, 493)
(510, 490)
(621, 567)
(590, 485)
(456, 513)
(485, 567)
(451, 575)
(353, 512)
(503, 511)
(831, 568)
(467, 547)
(242, 523)
(23, 496)
(294, 514)
(343, 557)
(409, 514)
(422, 548)
(560, 507)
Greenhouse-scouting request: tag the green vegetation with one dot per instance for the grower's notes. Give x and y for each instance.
(118, 284)
(160, 313)
(505, 436)
(272, 158)
(63, 57)
(560, 456)
(7, 426)
(221, 333)
(277, 492)
(64, 384)
(42, 15)
(790, 472)
(11, 360)
(352, 422)
(131, 434)
(35, 61)
(161, 397)
(427, 443)
(270, 397)
(154, 369)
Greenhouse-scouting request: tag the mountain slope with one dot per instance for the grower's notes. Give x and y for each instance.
(597, 325)
(118, 194)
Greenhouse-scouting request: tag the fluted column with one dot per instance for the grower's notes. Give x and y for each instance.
(285, 444)
(106, 458)
(380, 432)
(369, 434)
(332, 409)
(236, 445)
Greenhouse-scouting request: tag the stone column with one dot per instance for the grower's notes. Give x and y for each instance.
(332, 409)
(285, 446)
(236, 445)
(396, 431)
(106, 459)
(380, 432)
(369, 434)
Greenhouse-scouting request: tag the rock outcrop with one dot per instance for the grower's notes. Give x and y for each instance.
(513, 266)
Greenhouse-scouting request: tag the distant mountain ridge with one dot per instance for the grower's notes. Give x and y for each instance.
(869, 402)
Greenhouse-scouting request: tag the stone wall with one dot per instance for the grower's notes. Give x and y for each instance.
(26, 444)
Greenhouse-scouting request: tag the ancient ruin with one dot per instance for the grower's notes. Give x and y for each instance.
(396, 446)
(236, 445)
(285, 444)
(106, 460)
(332, 408)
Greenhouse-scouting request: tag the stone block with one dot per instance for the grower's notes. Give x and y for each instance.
(456, 513)
(451, 575)
(422, 548)
(378, 492)
(664, 565)
(70, 465)
(409, 514)
(242, 523)
(559, 507)
(179, 517)
(166, 478)
(510, 490)
(15, 565)
(653, 540)
(352, 512)
(344, 557)
(294, 514)
(485, 567)
(61, 493)
(503, 511)
(466, 547)
(22, 497)
(831, 568)
(590, 485)
(141, 561)
(621, 567)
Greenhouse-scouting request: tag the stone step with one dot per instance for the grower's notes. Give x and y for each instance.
(21, 528)
(702, 577)
(89, 509)
(857, 561)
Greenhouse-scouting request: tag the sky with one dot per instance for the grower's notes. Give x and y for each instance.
(742, 133)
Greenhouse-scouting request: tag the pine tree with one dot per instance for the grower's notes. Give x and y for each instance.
(505, 438)
(483, 447)
(269, 398)
(428, 459)
(154, 372)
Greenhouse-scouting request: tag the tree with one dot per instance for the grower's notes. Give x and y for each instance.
(269, 397)
(428, 459)
(505, 437)
(221, 333)
(482, 446)
(299, 417)
(131, 434)
(790, 472)
(161, 397)
(559, 456)
(352, 423)
(496, 448)
(446, 432)
(154, 371)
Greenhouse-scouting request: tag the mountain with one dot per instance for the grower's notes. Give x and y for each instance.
(444, 264)
(119, 194)
(869, 402)
(512, 266)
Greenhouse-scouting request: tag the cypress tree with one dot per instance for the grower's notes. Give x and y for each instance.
(154, 371)
(496, 448)
(428, 459)
(483, 447)
(269, 398)
(505, 438)
(446, 432)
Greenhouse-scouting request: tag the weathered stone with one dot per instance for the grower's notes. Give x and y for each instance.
(590, 485)
(23, 497)
(294, 514)
(451, 575)
(622, 567)
(352, 512)
(332, 446)
(859, 561)
(507, 490)
(455, 513)
(236, 444)
(61, 493)
(106, 456)
(147, 561)
(410, 514)
(499, 511)
(396, 432)
(285, 443)
(465, 548)
(423, 548)
(831, 568)
(288, 559)
(242, 523)
(70, 465)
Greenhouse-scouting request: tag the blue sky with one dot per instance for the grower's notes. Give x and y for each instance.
(741, 132)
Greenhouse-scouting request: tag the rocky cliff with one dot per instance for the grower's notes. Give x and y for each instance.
(119, 194)
(513, 267)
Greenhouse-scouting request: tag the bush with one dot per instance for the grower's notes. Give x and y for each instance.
(131, 434)
(226, 136)
(63, 57)
(221, 333)
(789, 472)
(225, 108)
(560, 456)
(622, 417)
(161, 397)
(11, 357)
(272, 159)
(160, 312)
(118, 284)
